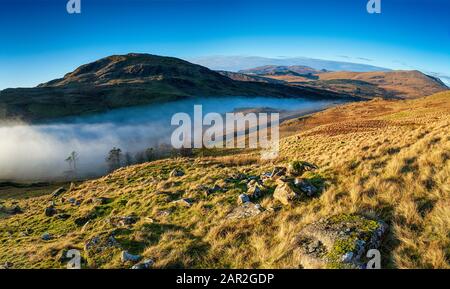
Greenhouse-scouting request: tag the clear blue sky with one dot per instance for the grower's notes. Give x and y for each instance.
(40, 41)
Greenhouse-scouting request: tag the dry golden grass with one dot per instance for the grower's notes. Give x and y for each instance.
(386, 159)
(405, 84)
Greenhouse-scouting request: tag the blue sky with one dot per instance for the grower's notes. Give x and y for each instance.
(40, 41)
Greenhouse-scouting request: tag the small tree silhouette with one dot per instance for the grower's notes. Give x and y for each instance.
(72, 161)
(128, 159)
(114, 159)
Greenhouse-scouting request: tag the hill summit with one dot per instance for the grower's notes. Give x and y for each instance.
(133, 80)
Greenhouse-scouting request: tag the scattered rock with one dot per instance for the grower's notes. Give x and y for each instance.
(100, 243)
(340, 241)
(7, 265)
(306, 187)
(266, 176)
(215, 189)
(187, 202)
(177, 173)
(81, 221)
(123, 221)
(58, 192)
(285, 193)
(74, 201)
(236, 177)
(50, 211)
(246, 210)
(255, 191)
(278, 172)
(63, 216)
(101, 201)
(46, 237)
(163, 213)
(14, 210)
(297, 168)
(127, 257)
(146, 264)
(243, 198)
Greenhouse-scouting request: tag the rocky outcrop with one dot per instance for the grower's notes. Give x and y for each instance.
(285, 192)
(58, 192)
(50, 211)
(145, 264)
(125, 256)
(176, 173)
(246, 210)
(123, 221)
(297, 168)
(340, 241)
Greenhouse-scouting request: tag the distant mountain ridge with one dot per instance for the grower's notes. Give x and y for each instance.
(248, 77)
(387, 84)
(237, 63)
(398, 83)
(282, 70)
(133, 80)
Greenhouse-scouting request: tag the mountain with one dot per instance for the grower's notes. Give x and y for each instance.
(295, 70)
(131, 80)
(387, 84)
(402, 84)
(237, 63)
(248, 77)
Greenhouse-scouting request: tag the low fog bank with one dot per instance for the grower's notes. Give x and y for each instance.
(38, 152)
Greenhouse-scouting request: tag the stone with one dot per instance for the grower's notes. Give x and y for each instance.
(306, 187)
(100, 243)
(58, 192)
(210, 191)
(124, 221)
(101, 201)
(163, 213)
(7, 265)
(63, 216)
(14, 210)
(243, 198)
(146, 264)
(285, 193)
(246, 210)
(176, 173)
(127, 257)
(46, 237)
(255, 191)
(328, 243)
(278, 172)
(81, 221)
(186, 202)
(297, 168)
(50, 211)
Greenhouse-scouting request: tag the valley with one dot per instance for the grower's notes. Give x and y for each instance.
(363, 164)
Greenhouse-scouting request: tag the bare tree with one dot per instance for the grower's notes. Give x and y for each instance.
(114, 159)
(72, 161)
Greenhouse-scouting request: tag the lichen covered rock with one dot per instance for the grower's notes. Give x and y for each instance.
(285, 193)
(246, 210)
(340, 241)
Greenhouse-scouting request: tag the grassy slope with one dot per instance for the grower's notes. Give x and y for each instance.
(383, 158)
(392, 84)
